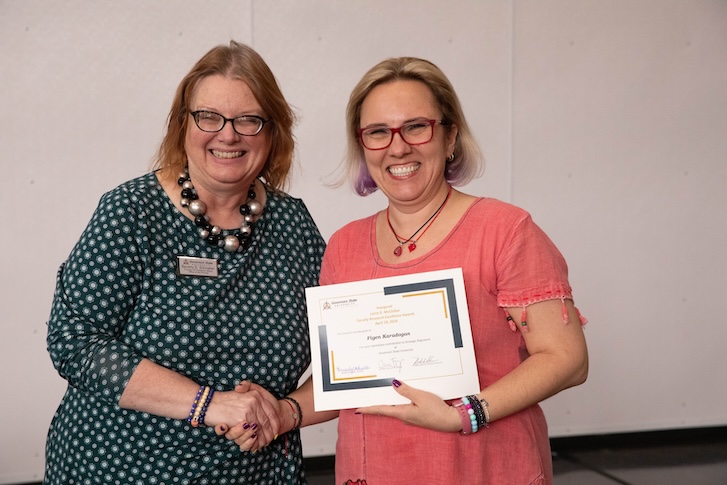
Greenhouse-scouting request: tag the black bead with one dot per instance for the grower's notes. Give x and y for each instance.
(213, 239)
(251, 194)
(201, 221)
(181, 181)
(187, 193)
(244, 209)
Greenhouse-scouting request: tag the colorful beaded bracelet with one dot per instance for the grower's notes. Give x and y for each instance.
(199, 406)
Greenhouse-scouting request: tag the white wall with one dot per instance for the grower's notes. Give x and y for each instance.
(606, 120)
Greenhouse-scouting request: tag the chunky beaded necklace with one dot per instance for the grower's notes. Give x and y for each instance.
(428, 223)
(237, 242)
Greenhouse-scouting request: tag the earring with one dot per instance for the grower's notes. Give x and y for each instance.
(450, 158)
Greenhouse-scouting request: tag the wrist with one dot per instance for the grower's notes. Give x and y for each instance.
(291, 412)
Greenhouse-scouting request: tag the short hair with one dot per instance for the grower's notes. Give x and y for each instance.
(236, 61)
(468, 162)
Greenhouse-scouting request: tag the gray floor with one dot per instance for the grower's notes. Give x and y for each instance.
(653, 459)
(684, 457)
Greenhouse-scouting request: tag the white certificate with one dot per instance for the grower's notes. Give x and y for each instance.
(414, 328)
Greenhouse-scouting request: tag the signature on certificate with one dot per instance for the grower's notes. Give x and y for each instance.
(390, 364)
(429, 360)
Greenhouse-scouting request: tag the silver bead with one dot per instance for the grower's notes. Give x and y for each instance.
(184, 202)
(204, 233)
(182, 175)
(249, 218)
(245, 229)
(231, 244)
(216, 230)
(197, 208)
(187, 185)
(256, 207)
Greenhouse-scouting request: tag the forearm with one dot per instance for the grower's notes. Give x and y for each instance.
(304, 397)
(539, 377)
(160, 391)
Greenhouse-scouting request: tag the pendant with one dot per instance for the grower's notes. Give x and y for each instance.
(412, 247)
(397, 251)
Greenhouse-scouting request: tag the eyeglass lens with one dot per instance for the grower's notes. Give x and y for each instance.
(413, 133)
(213, 122)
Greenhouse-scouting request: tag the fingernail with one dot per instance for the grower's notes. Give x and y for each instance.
(357, 412)
(396, 383)
(223, 428)
(254, 435)
(254, 426)
(275, 437)
(245, 426)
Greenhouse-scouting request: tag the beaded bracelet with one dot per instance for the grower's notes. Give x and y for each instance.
(198, 409)
(477, 410)
(199, 406)
(203, 412)
(473, 412)
(194, 404)
(298, 415)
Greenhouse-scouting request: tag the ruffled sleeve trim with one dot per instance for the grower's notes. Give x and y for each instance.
(510, 299)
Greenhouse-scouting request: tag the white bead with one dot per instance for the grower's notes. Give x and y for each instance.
(256, 207)
(216, 230)
(187, 185)
(197, 208)
(231, 244)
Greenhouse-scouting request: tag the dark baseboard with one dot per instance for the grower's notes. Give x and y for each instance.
(641, 439)
(638, 439)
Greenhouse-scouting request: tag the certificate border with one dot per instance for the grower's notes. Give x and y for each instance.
(447, 284)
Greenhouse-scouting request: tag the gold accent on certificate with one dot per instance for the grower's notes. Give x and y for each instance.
(193, 266)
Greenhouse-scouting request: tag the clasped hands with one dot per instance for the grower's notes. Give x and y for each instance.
(271, 418)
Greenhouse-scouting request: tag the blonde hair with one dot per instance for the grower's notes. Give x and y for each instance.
(468, 162)
(236, 61)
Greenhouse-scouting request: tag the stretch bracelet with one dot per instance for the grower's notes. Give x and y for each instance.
(199, 406)
(203, 412)
(298, 414)
(194, 404)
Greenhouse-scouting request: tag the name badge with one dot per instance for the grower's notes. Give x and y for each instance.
(191, 266)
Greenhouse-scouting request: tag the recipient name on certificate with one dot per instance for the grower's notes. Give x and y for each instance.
(414, 328)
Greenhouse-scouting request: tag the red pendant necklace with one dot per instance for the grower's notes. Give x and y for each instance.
(427, 224)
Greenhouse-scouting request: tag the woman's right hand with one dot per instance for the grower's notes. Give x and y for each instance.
(249, 404)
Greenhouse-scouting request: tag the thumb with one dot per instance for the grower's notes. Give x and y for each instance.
(403, 389)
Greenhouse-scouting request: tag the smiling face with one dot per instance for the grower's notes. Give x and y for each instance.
(225, 160)
(408, 175)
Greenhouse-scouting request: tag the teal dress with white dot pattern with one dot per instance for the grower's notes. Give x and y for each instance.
(119, 299)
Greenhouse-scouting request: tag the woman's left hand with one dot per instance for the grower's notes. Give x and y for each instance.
(426, 410)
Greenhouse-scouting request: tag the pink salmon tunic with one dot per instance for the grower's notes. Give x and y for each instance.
(507, 261)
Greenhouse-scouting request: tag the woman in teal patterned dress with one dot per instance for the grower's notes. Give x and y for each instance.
(187, 281)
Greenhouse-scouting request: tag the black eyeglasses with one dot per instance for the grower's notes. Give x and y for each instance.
(417, 132)
(211, 122)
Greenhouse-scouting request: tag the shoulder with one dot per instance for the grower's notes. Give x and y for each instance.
(283, 205)
(498, 209)
(358, 229)
(138, 191)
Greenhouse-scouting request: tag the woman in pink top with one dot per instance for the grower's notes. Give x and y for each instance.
(408, 137)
